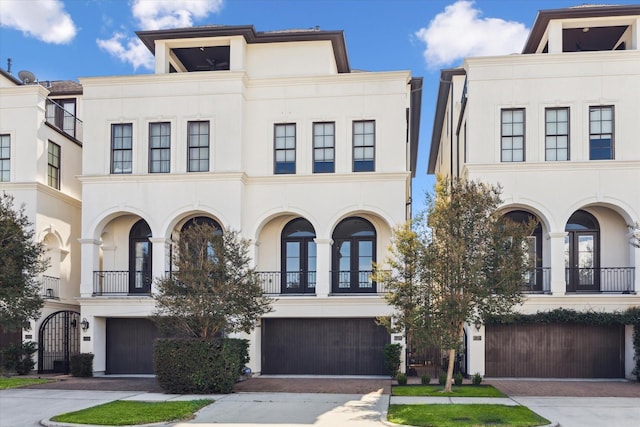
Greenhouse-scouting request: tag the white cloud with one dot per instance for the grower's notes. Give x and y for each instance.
(44, 20)
(460, 31)
(156, 15)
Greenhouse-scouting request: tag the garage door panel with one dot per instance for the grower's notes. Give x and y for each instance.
(555, 351)
(130, 346)
(323, 346)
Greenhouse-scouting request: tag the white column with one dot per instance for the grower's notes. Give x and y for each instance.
(635, 260)
(323, 267)
(558, 279)
(162, 58)
(635, 35)
(555, 37)
(90, 255)
(159, 265)
(475, 349)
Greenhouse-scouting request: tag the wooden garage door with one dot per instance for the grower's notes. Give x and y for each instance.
(130, 346)
(555, 351)
(323, 346)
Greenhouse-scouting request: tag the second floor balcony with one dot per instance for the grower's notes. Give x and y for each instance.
(64, 119)
(50, 287)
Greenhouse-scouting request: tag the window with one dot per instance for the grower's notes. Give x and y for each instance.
(298, 257)
(198, 142)
(5, 157)
(601, 133)
(364, 139)
(121, 147)
(159, 147)
(354, 252)
(512, 135)
(53, 165)
(285, 148)
(556, 134)
(323, 147)
(61, 114)
(140, 258)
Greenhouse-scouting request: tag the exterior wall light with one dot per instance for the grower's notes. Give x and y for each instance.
(478, 325)
(84, 324)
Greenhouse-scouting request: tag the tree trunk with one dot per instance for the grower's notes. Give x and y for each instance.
(452, 356)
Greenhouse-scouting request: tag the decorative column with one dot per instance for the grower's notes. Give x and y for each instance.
(323, 267)
(90, 260)
(558, 279)
(634, 260)
(159, 263)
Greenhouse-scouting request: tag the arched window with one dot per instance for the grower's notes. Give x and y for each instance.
(203, 220)
(534, 279)
(140, 258)
(298, 257)
(354, 251)
(581, 252)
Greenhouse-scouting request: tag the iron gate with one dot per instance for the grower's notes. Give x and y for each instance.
(58, 340)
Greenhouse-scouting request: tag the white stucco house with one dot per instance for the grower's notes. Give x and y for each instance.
(557, 127)
(40, 161)
(268, 133)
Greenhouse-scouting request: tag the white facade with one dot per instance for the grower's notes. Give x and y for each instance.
(556, 127)
(259, 83)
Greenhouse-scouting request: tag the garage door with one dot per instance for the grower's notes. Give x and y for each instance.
(130, 346)
(555, 351)
(323, 346)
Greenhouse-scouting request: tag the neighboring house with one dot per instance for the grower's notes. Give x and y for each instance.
(268, 133)
(557, 127)
(40, 160)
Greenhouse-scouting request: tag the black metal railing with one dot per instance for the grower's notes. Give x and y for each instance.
(601, 279)
(50, 287)
(355, 281)
(283, 282)
(538, 280)
(63, 120)
(121, 283)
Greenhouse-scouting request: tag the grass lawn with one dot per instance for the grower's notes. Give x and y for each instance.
(454, 415)
(457, 391)
(13, 382)
(122, 412)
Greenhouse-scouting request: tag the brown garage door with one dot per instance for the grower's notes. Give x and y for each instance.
(555, 351)
(130, 346)
(323, 346)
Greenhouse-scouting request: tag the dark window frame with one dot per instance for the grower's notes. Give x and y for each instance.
(192, 148)
(610, 148)
(140, 280)
(353, 230)
(300, 231)
(161, 165)
(504, 137)
(287, 166)
(63, 119)
(555, 135)
(54, 161)
(324, 150)
(119, 152)
(361, 162)
(5, 157)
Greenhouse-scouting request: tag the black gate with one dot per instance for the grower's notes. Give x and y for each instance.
(58, 340)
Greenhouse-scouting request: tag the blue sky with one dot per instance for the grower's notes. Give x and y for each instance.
(68, 39)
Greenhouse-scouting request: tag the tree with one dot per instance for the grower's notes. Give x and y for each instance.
(21, 261)
(471, 262)
(212, 290)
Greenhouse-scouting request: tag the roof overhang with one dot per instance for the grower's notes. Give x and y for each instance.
(415, 112)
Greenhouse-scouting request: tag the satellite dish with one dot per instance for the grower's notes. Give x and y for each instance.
(27, 77)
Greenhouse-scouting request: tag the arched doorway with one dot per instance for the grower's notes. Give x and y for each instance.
(581, 252)
(140, 258)
(534, 279)
(354, 252)
(58, 340)
(298, 257)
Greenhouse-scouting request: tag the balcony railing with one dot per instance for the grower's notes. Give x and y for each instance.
(50, 287)
(121, 283)
(63, 120)
(601, 280)
(356, 281)
(537, 281)
(289, 282)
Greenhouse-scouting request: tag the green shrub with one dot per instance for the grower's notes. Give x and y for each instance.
(18, 358)
(425, 379)
(442, 379)
(199, 366)
(401, 378)
(476, 379)
(457, 379)
(82, 365)
(392, 358)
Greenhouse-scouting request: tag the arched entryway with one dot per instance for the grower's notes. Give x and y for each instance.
(58, 340)
(354, 252)
(535, 280)
(298, 257)
(140, 258)
(582, 252)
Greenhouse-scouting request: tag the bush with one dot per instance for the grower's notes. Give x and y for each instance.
(442, 379)
(199, 366)
(425, 379)
(401, 378)
(82, 365)
(18, 358)
(476, 379)
(392, 358)
(457, 379)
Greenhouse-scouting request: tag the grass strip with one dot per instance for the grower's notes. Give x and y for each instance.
(457, 391)
(454, 415)
(123, 412)
(13, 382)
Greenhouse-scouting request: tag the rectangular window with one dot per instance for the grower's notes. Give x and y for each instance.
(5, 157)
(601, 133)
(53, 165)
(198, 142)
(364, 140)
(284, 141)
(512, 135)
(556, 122)
(159, 147)
(121, 148)
(323, 147)
(61, 114)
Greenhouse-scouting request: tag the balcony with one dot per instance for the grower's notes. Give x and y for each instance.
(600, 280)
(287, 282)
(355, 282)
(121, 283)
(50, 287)
(537, 281)
(63, 120)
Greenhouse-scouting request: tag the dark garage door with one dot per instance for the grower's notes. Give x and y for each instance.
(555, 351)
(130, 346)
(323, 346)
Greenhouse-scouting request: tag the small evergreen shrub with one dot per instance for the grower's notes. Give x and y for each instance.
(442, 379)
(392, 358)
(476, 379)
(82, 365)
(401, 378)
(18, 358)
(425, 379)
(457, 379)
